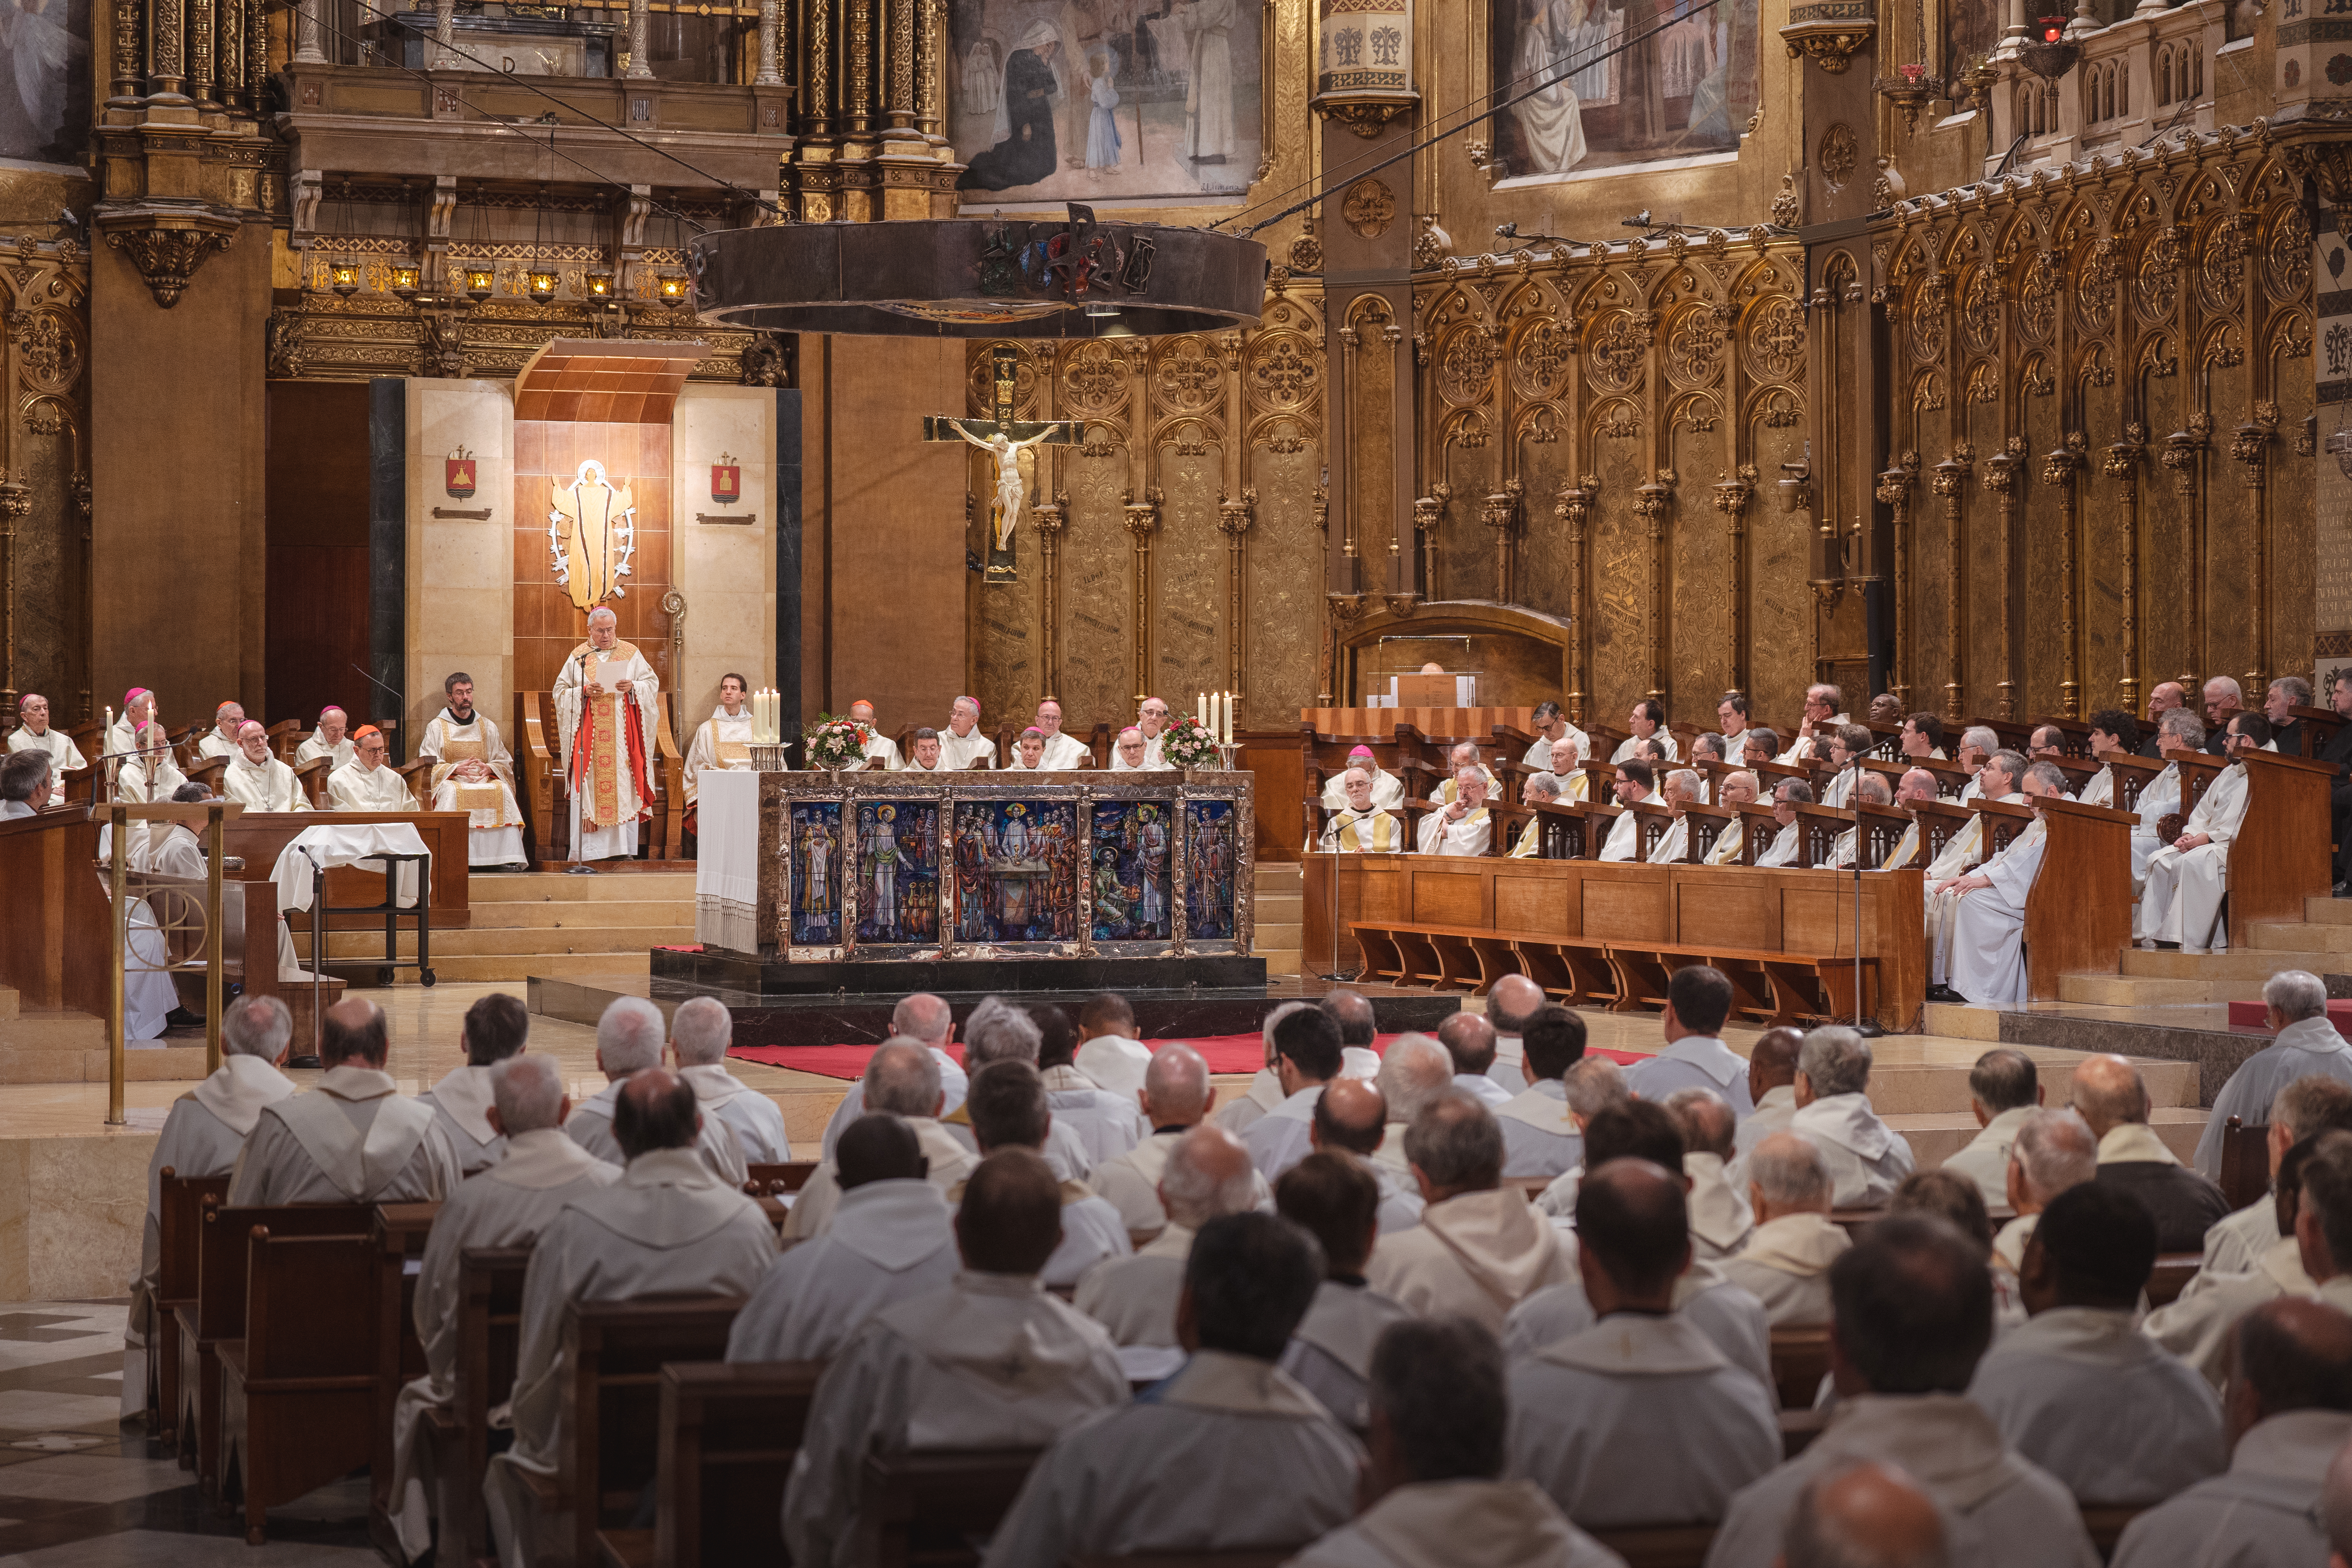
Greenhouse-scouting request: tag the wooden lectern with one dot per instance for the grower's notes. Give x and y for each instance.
(1430, 692)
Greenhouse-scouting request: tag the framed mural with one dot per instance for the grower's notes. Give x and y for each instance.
(45, 110)
(1133, 849)
(1016, 871)
(813, 833)
(1104, 99)
(898, 873)
(1213, 856)
(1685, 91)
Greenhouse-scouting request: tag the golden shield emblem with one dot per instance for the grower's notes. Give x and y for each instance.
(592, 535)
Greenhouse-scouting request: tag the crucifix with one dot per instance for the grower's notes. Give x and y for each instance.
(1010, 442)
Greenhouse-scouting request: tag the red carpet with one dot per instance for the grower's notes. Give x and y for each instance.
(1223, 1053)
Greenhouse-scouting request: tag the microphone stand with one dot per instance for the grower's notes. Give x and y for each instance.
(1337, 860)
(1865, 1025)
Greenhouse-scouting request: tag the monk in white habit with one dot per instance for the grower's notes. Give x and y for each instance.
(1008, 1110)
(1352, 1118)
(924, 755)
(1639, 1419)
(1543, 1133)
(1698, 1000)
(2302, 1108)
(1824, 706)
(148, 775)
(364, 783)
(989, 1362)
(1913, 787)
(327, 741)
(1786, 1262)
(2179, 734)
(1737, 789)
(880, 746)
(629, 1041)
(1538, 789)
(1866, 1159)
(902, 1079)
(226, 737)
(668, 1228)
(203, 1134)
(1683, 788)
(1206, 1174)
(1469, 1039)
(890, 1241)
(723, 741)
(2188, 877)
(1559, 747)
(1913, 1314)
(1720, 1220)
(999, 1031)
(963, 745)
(700, 1030)
(1772, 1085)
(1480, 1248)
(2000, 779)
(1238, 1115)
(25, 787)
(1062, 752)
(354, 1139)
(1131, 753)
(506, 1204)
(1307, 1056)
(257, 779)
(1432, 1493)
(1361, 828)
(1387, 790)
(1028, 752)
(1334, 1197)
(1982, 957)
(2289, 1415)
(2077, 1388)
(1174, 1097)
(1787, 796)
(472, 772)
(496, 1028)
(2004, 1091)
(604, 704)
(1108, 1052)
(2304, 1044)
(921, 1019)
(1464, 825)
(33, 733)
(1635, 779)
(1107, 1124)
(1228, 1454)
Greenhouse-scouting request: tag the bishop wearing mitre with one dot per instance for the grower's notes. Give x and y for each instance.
(724, 740)
(605, 702)
(364, 783)
(33, 734)
(259, 780)
(473, 774)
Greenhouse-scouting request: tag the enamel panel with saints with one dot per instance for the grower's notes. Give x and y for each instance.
(1685, 91)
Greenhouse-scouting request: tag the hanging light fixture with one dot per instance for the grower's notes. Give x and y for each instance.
(543, 279)
(343, 271)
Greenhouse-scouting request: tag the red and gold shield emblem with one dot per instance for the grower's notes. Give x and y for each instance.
(458, 474)
(726, 482)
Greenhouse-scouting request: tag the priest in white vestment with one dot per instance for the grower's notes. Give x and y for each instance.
(364, 783)
(1737, 789)
(1387, 790)
(700, 1030)
(2306, 1044)
(629, 1041)
(605, 703)
(1207, 1173)
(1639, 1419)
(2004, 1091)
(1028, 752)
(1559, 747)
(354, 1139)
(1334, 1196)
(1432, 1494)
(924, 755)
(1733, 1320)
(1635, 779)
(1109, 1053)
(1698, 1001)
(1537, 789)
(258, 780)
(919, 1019)
(24, 784)
(2187, 878)
(1174, 1097)
(878, 746)
(139, 711)
(1824, 707)
(226, 737)
(1866, 1159)
(1480, 1248)
(148, 777)
(1106, 1124)
(1786, 1262)
(329, 741)
(1007, 1110)
(495, 1030)
(33, 733)
(891, 1238)
(996, 1030)
(472, 772)
(1306, 1057)
(1543, 1124)
(1787, 796)
(1228, 1454)
(1351, 1119)
(203, 1135)
(506, 1204)
(668, 1228)
(901, 1079)
(1462, 827)
(1645, 723)
(1465, 754)
(1721, 1219)
(990, 1362)
(963, 743)
(1358, 827)
(1062, 752)
(2077, 1388)
(723, 741)
(1264, 1093)
(1913, 787)
(1131, 753)
(1683, 788)
(1982, 958)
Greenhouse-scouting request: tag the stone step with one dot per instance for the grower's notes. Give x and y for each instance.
(44, 1029)
(1936, 1137)
(1283, 962)
(1274, 872)
(1962, 1021)
(2328, 912)
(517, 967)
(1282, 908)
(358, 946)
(553, 914)
(1942, 1089)
(562, 887)
(2126, 991)
(2161, 964)
(1281, 936)
(2300, 936)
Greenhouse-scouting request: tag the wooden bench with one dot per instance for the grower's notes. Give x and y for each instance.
(490, 1334)
(179, 1228)
(2245, 1161)
(1659, 1545)
(1470, 957)
(2172, 1276)
(728, 1433)
(298, 1390)
(399, 1233)
(1242, 1557)
(1800, 1359)
(925, 1508)
(774, 1181)
(1775, 989)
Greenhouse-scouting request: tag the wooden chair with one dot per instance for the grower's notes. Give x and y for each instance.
(728, 1433)
(2245, 1161)
(1881, 829)
(1561, 833)
(2323, 723)
(2002, 822)
(298, 1391)
(2131, 775)
(179, 1221)
(311, 778)
(1704, 826)
(284, 737)
(1800, 1359)
(1817, 830)
(924, 1508)
(208, 772)
(539, 775)
(1659, 1545)
(399, 1237)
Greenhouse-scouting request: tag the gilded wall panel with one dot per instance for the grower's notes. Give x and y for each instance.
(2043, 580)
(1544, 553)
(2227, 510)
(1189, 577)
(1283, 602)
(1621, 581)
(1700, 550)
(1096, 593)
(2109, 524)
(2166, 621)
(1780, 608)
(1463, 562)
(1986, 599)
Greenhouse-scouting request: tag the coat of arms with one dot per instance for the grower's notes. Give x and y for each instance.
(726, 480)
(459, 473)
(592, 533)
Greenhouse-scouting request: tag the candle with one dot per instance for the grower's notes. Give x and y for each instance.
(1229, 718)
(1201, 707)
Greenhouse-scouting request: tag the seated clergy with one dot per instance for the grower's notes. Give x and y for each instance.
(1462, 827)
(354, 1139)
(1952, 1197)
(1772, 1087)
(2054, 1149)
(364, 783)
(329, 740)
(1865, 1158)
(221, 739)
(1352, 1118)
(1152, 718)
(961, 742)
(723, 741)
(700, 1030)
(1107, 1124)
(628, 1041)
(2111, 1097)
(1130, 752)
(1469, 1039)
(138, 710)
(1593, 1086)
(1916, 785)
(1307, 1047)
(1683, 788)
(1737, 789)
(1824, 707)
(1786, 1262)
(1720, 1220)
(1207, 1173)
(1559, 746)
(2000, 779)
(920, 1019)
(496, 1028)
(880, 745)
(1062, 752)
(1922, 737)
(471, 771)
(1108, 1052)
(891, 1238)
(1029, 752)
(1465, 754)
(2300, 1109)
(1359, 827)
(1175, 1098)
(1787, 796)
(924, 753)
(1633, 780)
(1480, 1248)
(257, 780)
(1008, 1110)
(2004, 1091)
(2114, 734)
(989, 1360)
(2290, 1414)
(1511, 1001)
(1847, 741)
(1871, 791)
(2179, 733)
(1639, 1419)
(1698, 1000)
(1387, 790)
(902, 1079)
(1982, 954)
(203, 1134)
(1333, 1197)
(1541, 1136)
(998, 1031)
(666, 1227)
(2188, 877)
(1539, 789)
(2306, 1044)
(507, 1205)
(1228, 1454)
(1433, 1490)
(34, 734)
(1913, 1314)
(25, 785)
(1647, 722)
(175, 851)
(2078, 1389)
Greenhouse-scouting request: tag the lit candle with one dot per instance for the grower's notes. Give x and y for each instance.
(1201, 707)
(1229, 718)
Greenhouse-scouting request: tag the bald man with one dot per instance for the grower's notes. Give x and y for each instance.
(34, 734)
(925, 1020)
(1351, 1119)
(257, 780)
(2162, 697)
(1510, 1003)
(1772, 1089)
(329, 741)
(629, 1041)
(1207, 1173)
(2110, 1095)
(1174, 1099)
(354, 1139)
(1868, 1515)
(605, 705)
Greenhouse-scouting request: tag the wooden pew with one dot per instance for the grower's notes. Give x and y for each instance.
(771, 1181)
(298, 1390)
(2280, 856)
(399, 1235)
(2245, 1161)
(922, 1508)
(728, 1433)
(489, 1333)
(53, 948)
(180, 1229)
(2172, 1274)
(1800, 1359)
(1659, 1545)
(2078, 916)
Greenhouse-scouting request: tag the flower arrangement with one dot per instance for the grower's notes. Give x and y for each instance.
(836, 742)
(1189, 744)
